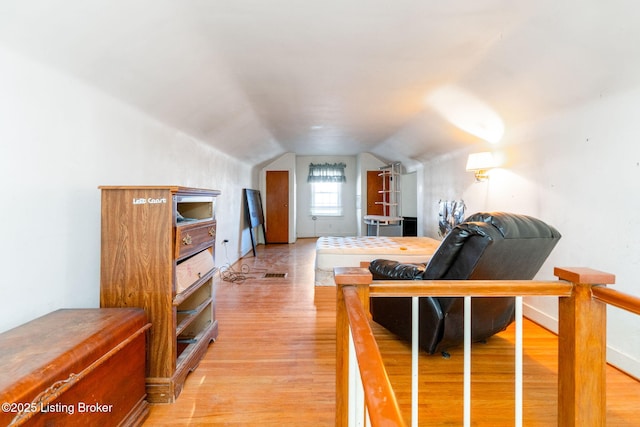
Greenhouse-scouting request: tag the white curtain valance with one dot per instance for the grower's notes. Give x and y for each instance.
(327, 172)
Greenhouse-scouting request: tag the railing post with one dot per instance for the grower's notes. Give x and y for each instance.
(360, 278)
(582, 350)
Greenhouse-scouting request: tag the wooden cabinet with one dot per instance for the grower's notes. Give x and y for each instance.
(157, 253)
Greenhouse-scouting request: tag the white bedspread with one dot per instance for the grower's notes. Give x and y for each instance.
(350, 251)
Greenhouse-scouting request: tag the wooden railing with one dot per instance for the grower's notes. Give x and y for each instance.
(378, 393)
(581, 343)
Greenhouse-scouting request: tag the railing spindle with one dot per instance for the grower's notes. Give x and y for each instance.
(467, 363)
(518, 362)
(415, 351)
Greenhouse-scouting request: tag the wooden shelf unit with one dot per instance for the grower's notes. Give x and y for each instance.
(390, 190)
(158, 253)
(389, 223)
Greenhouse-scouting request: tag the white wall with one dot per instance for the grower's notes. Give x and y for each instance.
(326, 226)
(60, 140)
(409, 194)
(578, 170)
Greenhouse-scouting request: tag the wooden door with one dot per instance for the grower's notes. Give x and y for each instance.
(277, 207)
(374, 195)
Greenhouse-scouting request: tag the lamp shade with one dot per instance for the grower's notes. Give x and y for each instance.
(480, 161)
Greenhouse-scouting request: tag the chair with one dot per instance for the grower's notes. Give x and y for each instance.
(486, 246)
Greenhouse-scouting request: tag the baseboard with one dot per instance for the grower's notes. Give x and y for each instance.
(616, 358)
(540, 317)
(623, 362)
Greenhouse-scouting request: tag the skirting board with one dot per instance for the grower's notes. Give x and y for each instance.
(616, 358)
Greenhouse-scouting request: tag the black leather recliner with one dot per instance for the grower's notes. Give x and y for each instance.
(486, 246)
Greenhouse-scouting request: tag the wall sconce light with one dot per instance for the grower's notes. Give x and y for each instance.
(479, 164)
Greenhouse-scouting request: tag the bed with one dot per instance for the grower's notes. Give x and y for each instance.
(350, 251)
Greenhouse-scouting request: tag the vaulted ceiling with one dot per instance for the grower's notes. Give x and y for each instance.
(404, 79)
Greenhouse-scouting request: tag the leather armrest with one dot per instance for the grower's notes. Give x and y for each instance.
(384, 269)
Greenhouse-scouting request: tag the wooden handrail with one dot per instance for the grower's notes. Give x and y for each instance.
(476, 288)
(617, 298)
(379, 395)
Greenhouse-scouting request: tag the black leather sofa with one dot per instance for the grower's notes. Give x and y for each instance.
(486, 246)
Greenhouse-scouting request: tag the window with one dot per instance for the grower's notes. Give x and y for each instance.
(326, 198)
(326, 188)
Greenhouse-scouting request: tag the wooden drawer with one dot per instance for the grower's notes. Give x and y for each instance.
(193, 238)
(193, 269)
(76, 367)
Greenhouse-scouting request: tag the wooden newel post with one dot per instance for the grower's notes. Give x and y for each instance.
(360, 278)
(582, 343)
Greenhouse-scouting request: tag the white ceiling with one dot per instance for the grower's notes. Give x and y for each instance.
(402, 79)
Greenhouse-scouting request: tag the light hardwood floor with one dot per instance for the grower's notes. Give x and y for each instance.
(274, 361)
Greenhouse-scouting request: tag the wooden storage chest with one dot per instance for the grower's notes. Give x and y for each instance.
(75, 367)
